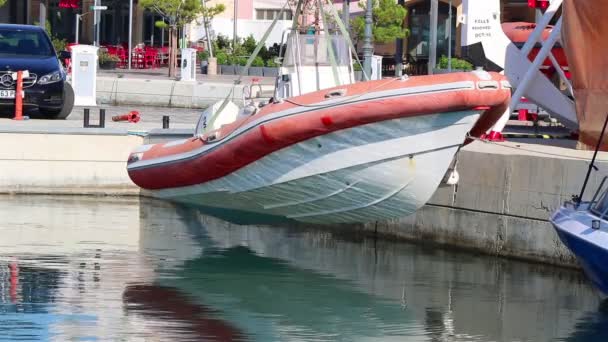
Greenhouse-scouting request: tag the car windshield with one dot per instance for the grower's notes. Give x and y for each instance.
(24, 43)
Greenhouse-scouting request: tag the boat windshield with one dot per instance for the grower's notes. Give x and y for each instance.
(311, 50)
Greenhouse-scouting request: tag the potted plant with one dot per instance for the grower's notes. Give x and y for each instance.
(271, 69)
(358, 72)
(458, 65)
(257, 67)
(107, 61)
(224, 62)
(240, 62)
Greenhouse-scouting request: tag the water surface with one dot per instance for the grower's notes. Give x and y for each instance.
(108, 269)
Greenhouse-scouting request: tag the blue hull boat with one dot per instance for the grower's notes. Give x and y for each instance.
(583, 228)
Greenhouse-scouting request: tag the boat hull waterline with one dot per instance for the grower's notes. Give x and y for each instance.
(369, 155)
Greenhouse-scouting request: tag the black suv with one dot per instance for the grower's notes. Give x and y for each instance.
(25, 47)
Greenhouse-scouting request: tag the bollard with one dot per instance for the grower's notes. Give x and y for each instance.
(132, 116)
(102, 118)
(165, 121)
(87, 117)
(19, 97)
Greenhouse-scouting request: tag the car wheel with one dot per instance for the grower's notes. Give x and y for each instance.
(66, 109)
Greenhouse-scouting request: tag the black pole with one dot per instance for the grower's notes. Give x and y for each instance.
(597, 148)
(86, 117)
(102, 118)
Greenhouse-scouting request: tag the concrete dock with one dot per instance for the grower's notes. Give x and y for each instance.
(500, 206)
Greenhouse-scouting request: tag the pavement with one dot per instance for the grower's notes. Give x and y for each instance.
(151, 119)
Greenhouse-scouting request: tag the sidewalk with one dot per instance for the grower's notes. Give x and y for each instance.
(152, 87)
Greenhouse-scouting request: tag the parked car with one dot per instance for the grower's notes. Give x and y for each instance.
(26, 47)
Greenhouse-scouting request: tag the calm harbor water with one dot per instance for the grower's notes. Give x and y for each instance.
(115, 269)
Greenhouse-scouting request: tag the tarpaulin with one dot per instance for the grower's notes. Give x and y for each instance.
(585, 39)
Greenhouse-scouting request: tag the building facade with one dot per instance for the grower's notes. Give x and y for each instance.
(253, 17)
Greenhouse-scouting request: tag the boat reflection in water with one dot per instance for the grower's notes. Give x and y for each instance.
(116, 269)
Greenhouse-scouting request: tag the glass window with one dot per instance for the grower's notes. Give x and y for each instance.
(24, 43)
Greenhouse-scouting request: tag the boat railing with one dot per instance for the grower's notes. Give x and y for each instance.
(599, 203)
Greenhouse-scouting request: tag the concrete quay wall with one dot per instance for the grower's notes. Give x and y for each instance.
(502, 202)
(166, 93)
(82, 163)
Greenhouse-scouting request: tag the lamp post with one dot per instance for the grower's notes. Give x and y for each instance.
(367, 39)
(130, 32)
(236, 8)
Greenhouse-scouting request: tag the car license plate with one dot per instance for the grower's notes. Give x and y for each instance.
(7, 94)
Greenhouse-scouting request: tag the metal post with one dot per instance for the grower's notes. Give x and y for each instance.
(130, 32)
(548, 44)
(449, 28)
(77, 27)
(399, 49)
(96, 18)
(42, 18)
(368, 49)
(234, 39)
(433, 35)
(165, 121)
(206, 23)
(540, 26)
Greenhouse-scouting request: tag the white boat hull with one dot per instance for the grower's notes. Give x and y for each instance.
(372, 172)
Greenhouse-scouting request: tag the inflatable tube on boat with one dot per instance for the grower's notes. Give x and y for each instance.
(279, 125)
(357, 153)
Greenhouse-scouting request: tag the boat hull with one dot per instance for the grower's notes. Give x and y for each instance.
(377, 171)
(590, 246)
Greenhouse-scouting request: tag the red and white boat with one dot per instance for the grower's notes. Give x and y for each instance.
(355, 153)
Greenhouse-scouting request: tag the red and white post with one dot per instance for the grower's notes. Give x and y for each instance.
(19, 97)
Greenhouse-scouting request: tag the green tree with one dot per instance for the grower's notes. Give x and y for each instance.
(2, 2)
(388, 19)
(175, 14)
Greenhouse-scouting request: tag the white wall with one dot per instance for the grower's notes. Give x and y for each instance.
(245, 27)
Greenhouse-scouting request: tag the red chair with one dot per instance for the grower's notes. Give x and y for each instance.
(150, 57)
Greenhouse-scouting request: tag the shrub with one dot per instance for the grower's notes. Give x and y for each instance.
(271, 63)
(242, 61)
(249, 44)
(202, 56)
(222, 58)
(457, 64)
(105, 57)
(357, 67)
(258, 62)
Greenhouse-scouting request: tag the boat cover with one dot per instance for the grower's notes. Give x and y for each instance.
(584, 37)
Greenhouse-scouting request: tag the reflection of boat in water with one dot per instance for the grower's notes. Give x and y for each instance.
(326, 149)
(273, 301)
(166, 303)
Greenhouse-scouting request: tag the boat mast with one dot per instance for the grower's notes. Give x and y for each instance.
(592, 164)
